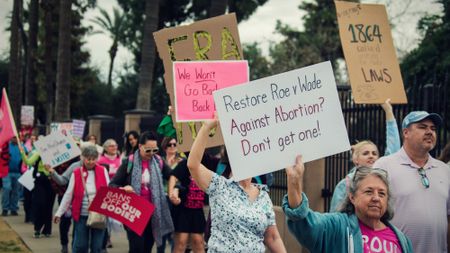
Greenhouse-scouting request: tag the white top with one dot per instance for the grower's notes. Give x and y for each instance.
(419, 212)
(91, 190)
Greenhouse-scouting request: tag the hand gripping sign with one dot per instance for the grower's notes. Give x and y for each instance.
(132, 210)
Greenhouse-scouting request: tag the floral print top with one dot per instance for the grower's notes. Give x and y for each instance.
(237, 224)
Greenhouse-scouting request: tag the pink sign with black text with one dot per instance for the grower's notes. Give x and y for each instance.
(195, 81)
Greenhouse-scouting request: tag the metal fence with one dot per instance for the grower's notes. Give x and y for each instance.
(367, 122)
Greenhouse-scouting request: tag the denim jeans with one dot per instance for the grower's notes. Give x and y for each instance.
(11, 188)
(85, 237)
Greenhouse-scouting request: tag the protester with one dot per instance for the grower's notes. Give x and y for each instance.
(142, 173)
(92, 138)
(189, 218)
(79, 196)
(131, 143)
(111, 160)
(362, 225)
(43, 194)
(11, 186)
(421, 184)
(171, 157)
(242, 216)
(60, 190)
(29, 148)
(365, 153)
(445, 154)
(110, 157)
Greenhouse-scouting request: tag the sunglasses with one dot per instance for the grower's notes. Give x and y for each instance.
(172, 144)
(424, 178)
(151, 150)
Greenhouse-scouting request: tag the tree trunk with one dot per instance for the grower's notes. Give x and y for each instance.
(15, 87)
(218, 7)
(48, 6)
(62, 100)
(30, 83)
(112, 56)
(148, 55)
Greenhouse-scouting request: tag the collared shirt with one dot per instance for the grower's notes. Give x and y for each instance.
(420, 212)
(238, 225)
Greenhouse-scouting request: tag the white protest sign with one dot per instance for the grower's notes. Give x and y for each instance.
(27, 180)
(65, 127)
(78, 128)
(27, 115)
(267, 122)
(56, 148)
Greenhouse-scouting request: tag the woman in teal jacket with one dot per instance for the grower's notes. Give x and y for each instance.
(361, 226)
(365, 153)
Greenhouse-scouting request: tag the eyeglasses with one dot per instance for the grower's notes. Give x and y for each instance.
(151, 150)
(171, 144)
(424, 178)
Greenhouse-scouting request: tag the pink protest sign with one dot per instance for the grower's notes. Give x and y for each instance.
(128, 208)
(195, 81)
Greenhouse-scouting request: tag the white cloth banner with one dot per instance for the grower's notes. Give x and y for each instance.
(267, 122)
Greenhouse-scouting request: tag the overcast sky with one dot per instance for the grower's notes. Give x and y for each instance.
(259, 28)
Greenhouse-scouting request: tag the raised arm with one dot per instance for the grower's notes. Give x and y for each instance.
(392, 134)
(295, 182)
(199, 172)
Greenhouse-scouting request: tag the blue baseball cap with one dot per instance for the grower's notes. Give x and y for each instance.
(417, 116)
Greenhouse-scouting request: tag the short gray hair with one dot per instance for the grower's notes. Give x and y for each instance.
(360, 174)
(108, 142)
(89, 151)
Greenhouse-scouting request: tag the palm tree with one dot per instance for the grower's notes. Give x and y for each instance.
(15, 70)
(148, 55)
(30, 83)
(114, 27)
(62, 99)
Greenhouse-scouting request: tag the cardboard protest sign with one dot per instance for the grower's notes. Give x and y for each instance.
(65, 127)
(369, 53)
(57, 148)
(210, 39)
(267, 122)
(78, 128)
(132, 210)
(195, 81)
(27, 115)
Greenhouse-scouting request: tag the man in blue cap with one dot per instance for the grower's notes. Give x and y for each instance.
(420, 184)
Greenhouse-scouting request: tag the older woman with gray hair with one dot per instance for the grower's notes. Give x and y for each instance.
(83, 186)
(362, 225)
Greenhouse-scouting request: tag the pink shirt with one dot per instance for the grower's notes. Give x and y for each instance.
(383, 241)
(114, 164)
(145, 181)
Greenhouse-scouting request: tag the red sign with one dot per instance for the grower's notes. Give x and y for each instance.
(132, 210)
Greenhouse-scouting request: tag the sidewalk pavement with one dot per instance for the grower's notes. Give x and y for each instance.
(52, 244)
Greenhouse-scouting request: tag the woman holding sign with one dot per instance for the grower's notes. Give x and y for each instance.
(242, 215)
(43, 195)
(83, 185)
(361, 226)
